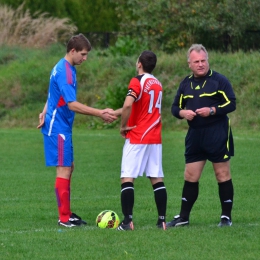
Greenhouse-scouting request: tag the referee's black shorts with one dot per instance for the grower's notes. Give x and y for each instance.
(213, 143)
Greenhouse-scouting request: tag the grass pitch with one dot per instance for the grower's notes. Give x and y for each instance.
(28, 212)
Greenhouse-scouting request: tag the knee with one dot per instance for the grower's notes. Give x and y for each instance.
(223, 175)
(191, 176)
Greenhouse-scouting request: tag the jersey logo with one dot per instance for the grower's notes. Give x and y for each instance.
(198, 87)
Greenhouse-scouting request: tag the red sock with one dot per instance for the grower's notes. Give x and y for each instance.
(70, 190)
(62, 189)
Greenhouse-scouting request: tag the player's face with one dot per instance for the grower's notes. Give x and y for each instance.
(79, 56)
(198, 63)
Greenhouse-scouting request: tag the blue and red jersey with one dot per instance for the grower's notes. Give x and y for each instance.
(62, 89)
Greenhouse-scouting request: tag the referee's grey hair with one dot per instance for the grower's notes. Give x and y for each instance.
(196, 47)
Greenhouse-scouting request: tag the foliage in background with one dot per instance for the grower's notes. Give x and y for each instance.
(127, 46)
(103, 80)
(87, 16)
(169, 24)
(19, 28)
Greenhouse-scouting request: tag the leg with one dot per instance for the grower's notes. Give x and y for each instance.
(226, 191)
(59, 151)
(190, 190)
(222, 171)
(189, 193)
(129, 171)
(62, 188)
(72, 169)
(127, 199)
(160, 196)
(193, 171)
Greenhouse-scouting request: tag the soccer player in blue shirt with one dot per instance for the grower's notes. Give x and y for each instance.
(56, 121)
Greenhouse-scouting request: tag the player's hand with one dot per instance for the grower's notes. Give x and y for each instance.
(108, 115)
(125, 130)
(41, 120)
(203, 112)
(188, 114)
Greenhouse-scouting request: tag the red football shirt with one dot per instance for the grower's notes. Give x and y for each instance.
(146, 110)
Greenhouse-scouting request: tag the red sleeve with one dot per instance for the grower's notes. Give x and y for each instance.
(135, 86)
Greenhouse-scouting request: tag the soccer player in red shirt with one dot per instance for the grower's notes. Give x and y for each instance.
(141, 126)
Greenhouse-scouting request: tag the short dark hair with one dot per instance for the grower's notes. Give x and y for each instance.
(148, 60)
(78, 42)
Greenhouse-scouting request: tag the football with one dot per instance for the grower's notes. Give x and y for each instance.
(107, 219)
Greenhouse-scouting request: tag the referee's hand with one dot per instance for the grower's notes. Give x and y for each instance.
(187, 114)
(203, 112)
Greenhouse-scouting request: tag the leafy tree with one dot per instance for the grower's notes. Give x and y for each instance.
(172, 24)
(162, 24)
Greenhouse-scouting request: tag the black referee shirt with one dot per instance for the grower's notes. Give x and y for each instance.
(212, 90)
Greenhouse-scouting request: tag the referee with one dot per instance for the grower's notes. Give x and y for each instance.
(204, 99)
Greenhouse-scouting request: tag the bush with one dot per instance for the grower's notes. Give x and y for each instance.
(127, 46)
(19, 28)
(103, 82)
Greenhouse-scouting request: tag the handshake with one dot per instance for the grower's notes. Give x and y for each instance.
(109, 115)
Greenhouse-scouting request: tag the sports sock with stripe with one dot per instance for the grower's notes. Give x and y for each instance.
(160, 196)
(226, 194)
(127, 201)
(190, 194)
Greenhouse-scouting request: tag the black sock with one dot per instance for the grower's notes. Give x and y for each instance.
(190, 194)
(226, 194)
(127, 201)
(160, 196)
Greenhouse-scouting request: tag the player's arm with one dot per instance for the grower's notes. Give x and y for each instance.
(42, 116)
(106, 114)
(228, 103)
(69, 95)
(118, 112)
(178, 106)
(178, 103)
(129, 101)
(126, 112)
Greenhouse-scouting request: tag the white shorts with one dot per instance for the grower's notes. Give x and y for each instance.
(141, 158)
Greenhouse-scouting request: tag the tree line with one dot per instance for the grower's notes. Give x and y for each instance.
(168, 25)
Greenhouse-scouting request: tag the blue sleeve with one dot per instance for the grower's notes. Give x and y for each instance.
(67, 83)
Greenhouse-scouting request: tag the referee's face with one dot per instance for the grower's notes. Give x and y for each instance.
(198, 63)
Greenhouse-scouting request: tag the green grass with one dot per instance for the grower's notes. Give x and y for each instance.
(28, 217)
